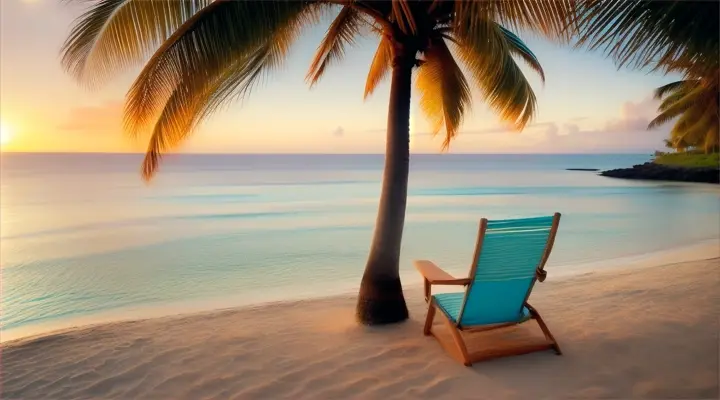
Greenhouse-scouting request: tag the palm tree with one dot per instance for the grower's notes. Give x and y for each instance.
(694, 102)
(204, 53)
(666, 36)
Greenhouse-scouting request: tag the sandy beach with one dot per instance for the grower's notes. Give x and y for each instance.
(634, 333)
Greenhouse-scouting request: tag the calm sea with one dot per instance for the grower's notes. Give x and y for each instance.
(83, 235)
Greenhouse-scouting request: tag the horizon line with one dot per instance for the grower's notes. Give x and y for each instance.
(319, 154)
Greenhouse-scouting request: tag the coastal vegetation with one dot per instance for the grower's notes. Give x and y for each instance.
(689, 160)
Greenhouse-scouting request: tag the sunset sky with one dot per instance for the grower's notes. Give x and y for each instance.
(586, 105)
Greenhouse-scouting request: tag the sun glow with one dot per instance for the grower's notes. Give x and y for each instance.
(5, 134)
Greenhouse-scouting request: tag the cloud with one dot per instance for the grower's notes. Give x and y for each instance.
(551, 131)
(571, 129)
(92, 119)
(633, 116)
(339, 132)
(627, 133)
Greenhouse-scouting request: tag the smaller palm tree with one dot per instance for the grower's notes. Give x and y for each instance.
(665, 36)
(694, 103)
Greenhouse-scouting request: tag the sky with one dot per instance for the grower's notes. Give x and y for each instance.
(586, 105)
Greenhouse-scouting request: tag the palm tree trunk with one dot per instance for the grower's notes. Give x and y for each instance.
(381, 300)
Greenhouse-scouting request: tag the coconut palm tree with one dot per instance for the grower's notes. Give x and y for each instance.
(665, 36)
(204, 53)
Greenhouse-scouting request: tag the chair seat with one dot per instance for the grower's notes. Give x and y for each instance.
(451, 303)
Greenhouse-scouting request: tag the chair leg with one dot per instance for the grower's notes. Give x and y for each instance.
(429, 320)
(536, 316)
(457, 337)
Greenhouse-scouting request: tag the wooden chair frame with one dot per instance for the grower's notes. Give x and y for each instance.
(434, 275)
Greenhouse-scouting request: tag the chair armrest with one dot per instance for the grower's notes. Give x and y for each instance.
(433, 275)
(436, 276)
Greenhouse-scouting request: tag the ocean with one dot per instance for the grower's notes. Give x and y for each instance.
(81, 235)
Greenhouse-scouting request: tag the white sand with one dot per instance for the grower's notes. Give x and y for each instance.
(639, 333)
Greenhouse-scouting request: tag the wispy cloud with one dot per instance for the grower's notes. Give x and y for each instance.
(339, 131)
(627, 133)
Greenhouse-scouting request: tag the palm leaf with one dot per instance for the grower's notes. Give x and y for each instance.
(659, 34)
(697, 127)
(201, 47)
(342, 32)
(381, 65)
(480, 34)
(444, 92)
(662, 91)
(712, 138)
(671, 100)
(517, 47)
(677, 133)
(403, 16)
(694, 98)
(195, 98)
(501, 81)
(112, 35)
(663, 118)
(554, 19)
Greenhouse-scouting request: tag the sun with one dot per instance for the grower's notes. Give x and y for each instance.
(5, 134)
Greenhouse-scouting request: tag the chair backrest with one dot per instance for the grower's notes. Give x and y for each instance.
(509, 255)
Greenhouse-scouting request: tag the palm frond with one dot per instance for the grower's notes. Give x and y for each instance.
(671, 99)
(480, 34)
(195, 98)
(381, 65)
(697, 126)
(695, 98)
(341, 33)
(662, 91)
(554, 19)
(191, 102)
(712, 138)
(403, 16)
(112, 35)
(202, 46)
(656, 34)
(444, 92)
(517, 47)
(663, 118)
(501, 81)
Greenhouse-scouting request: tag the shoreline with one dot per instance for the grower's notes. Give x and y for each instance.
(648, 333)
(704, 250)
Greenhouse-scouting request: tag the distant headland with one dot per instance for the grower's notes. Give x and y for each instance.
(679, 167)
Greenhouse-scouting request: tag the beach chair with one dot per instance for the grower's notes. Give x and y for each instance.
(509, 258)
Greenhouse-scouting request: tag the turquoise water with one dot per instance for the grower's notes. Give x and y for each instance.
(82, 235)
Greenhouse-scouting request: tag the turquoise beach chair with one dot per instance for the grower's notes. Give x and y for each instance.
(509, 257)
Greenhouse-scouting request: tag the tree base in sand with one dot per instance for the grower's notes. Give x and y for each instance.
(381, 302)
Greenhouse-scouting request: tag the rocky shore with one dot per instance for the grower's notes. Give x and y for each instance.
(658, 172)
